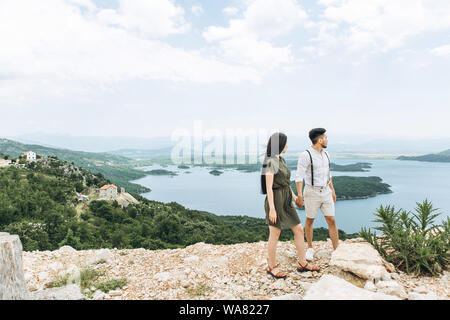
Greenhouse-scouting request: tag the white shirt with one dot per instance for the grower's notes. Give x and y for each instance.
(322, 172)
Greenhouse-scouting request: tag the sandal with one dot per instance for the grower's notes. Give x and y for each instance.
(278, 275)
(305, 267)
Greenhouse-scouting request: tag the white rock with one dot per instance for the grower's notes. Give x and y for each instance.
(162, 276)
(370, 285)
(323, 254)
(100, 255)
(43, 277)
(306, 286)
(395, 276)
(291, 296)
(334, 288)
(98, 295)
(74, 274)
(66, 249)
(70, 292)
(386, 284)
(360, 259)
(420, 289)
(392, 288)
(115, 293)
(56, 266)
(419, 296)
(191, 259)
(12, 280)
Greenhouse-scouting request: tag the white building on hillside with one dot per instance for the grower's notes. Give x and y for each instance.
(30, 155)
(4, 163)
(108, 192)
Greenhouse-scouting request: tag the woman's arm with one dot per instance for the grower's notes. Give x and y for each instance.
(269, 184)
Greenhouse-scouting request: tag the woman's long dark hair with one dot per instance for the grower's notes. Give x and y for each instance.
(279, 142)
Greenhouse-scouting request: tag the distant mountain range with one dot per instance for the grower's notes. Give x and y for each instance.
(138, 147)
(443, 156)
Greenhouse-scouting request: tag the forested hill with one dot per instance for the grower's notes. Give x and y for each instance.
(39, 203)
(120, 170)
(443, 156)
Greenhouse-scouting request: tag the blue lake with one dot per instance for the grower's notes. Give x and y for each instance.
(237, 193)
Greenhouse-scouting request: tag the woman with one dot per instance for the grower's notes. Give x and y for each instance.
(280, 212)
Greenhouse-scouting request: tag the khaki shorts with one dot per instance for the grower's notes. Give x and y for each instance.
(318, 198)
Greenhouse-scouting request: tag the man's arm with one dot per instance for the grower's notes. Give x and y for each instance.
(332, 189)
(331, 182)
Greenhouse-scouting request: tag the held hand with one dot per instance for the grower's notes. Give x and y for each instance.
(272, 215)
(334, 196)
(299, 202)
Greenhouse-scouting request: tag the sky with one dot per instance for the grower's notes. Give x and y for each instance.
(145, 68)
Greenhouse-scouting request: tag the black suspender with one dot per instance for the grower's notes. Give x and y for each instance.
(312, 167)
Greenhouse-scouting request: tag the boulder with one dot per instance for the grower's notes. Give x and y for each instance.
(70, 292)
(162, 276)
(420, 296)
(392, 288)
(334, 288)
(73, 273)
(66, 249)
(12, 280)
(99, 256)
(360, 259)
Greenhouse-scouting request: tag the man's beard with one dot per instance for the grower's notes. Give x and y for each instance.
(324, 146)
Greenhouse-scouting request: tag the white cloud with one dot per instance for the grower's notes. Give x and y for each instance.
(442, 50)
(231, 11)
(197, 10)
(53, 47)
(381, 25)
(156, 18)
(249, 39)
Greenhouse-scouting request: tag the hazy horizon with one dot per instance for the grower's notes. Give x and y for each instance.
(337, 143)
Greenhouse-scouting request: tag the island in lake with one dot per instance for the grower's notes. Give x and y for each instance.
(351, 188)
(182, 166)
(355, 167)
(216, 172)
(161, 172)
(443, 156)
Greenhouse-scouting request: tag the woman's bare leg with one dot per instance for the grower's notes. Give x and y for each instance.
(299, 242)
(274, 234)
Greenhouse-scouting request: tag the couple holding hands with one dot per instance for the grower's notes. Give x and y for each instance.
(314, 168)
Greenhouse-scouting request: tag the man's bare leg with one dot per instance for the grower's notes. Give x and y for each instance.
(333, 230)
(309, 231)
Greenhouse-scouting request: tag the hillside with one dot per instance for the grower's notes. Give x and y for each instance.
(39, 204)
(443, 156)
(120, 170)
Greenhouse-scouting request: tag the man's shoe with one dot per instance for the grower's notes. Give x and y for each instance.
(310, 254)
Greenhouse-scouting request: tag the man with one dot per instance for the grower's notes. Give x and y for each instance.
(314, 168)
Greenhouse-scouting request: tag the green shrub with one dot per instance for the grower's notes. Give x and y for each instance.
(111, 284)
(88, 278)
(410, 240)
(61, 282)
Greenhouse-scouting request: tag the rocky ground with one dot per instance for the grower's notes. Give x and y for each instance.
(205, 271)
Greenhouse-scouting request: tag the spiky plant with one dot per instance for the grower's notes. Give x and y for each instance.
(411, 240)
